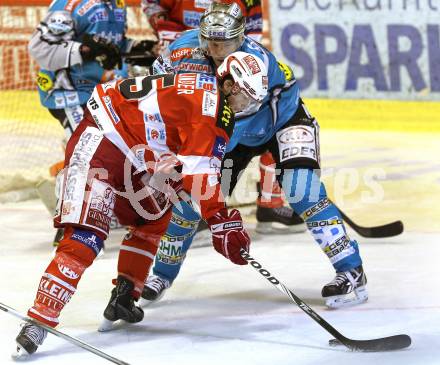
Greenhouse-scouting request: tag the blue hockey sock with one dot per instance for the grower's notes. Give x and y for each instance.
(306, 195)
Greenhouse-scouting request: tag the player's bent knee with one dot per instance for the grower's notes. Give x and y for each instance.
(81, 245)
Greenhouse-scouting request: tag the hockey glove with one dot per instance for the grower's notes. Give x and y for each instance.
(228, 235)
(142, 53)
(99, 49)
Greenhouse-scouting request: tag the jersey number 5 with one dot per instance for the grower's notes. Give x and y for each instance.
(130, 90)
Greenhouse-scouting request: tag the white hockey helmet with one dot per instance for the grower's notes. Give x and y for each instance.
(248, 71)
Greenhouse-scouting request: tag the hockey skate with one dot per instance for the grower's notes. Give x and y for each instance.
(121, 306)
(278, 220)
(154, 290)
(30, 337)
(346, 289)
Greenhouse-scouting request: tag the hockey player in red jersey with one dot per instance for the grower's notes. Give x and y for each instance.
(143, 141)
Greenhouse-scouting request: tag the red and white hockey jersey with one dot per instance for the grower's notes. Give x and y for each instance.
(183, 115)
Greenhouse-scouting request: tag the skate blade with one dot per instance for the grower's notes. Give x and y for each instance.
(145, 302)
(107, 326)
(358, 296)
(277, 228)
(20, 354)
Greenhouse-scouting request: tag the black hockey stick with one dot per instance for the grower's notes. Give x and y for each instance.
(386, 230)
(62, 335)
(379, 344)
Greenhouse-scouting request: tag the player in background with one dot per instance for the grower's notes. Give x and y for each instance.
(79, 44)
(143, 141)
(281, 125)
(169, 18)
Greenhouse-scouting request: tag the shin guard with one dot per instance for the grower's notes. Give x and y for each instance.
(59, 281)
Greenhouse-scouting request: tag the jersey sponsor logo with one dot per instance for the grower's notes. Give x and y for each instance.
(89, 239)
(100, 15)
(44, 81)
(101, 203)
(186, 83)
(219, 148)
(88, 5)
(206, 82)
(180, 53)
(140, 156)
(72, 98)
(60, 102)
(288, 73)
(252, 64)
(67, 272)
(209, 104)
(108, 103)
(153, 118)
(154, 134)
(225, 117)
(191, 18)
(194, 67)
(92, 103)
(75, 115)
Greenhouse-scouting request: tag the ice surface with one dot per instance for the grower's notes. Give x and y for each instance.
(218, 313)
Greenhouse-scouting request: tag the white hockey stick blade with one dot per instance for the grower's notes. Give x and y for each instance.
(62, 335)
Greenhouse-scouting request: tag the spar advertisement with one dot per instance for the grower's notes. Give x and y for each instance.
(360, 49)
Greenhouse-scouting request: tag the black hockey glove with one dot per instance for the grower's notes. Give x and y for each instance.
(142, 53)
(99, 49)
(144, 46)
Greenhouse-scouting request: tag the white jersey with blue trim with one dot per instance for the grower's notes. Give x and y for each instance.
(281, 103)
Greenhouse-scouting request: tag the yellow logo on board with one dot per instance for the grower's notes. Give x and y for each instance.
(120, 3)
(44, 81)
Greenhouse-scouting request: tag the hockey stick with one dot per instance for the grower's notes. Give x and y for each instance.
(62, 335)
(379, 344)
(386, 230)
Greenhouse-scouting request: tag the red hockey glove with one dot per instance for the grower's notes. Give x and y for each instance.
(228, 235)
